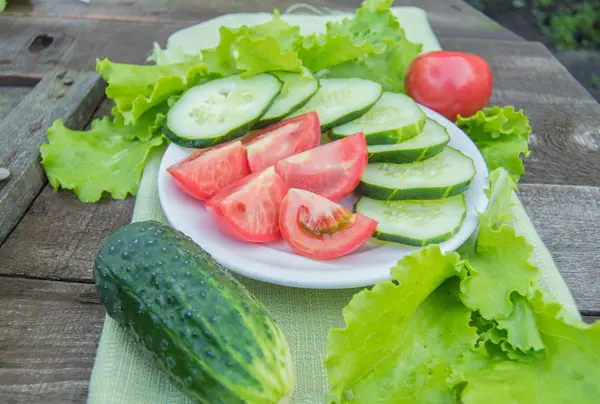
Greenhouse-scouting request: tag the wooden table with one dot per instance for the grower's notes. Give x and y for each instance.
(50, 317)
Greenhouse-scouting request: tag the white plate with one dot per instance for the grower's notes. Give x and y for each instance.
(276, 263)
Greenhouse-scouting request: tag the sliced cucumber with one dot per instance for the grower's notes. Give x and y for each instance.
(428, 143)
(415, 222)
(447, 174)
(296, 91)
(220, 110)
(394, 118)
(341, 100)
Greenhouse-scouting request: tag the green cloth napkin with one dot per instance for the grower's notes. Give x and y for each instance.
(125, 374)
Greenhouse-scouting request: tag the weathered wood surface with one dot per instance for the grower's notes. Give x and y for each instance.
(566, 217)
(10, 96)
(449, 17)
(48, 337)
(566, 141)
(565, 118)
(62, 94)
(59, 236)
(48, 330)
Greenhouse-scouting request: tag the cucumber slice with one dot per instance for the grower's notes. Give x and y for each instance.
(427, 144)
(415, 222)
(393, 119)
(447, 174)
(296, 91)
(220, 110)
(341, 100)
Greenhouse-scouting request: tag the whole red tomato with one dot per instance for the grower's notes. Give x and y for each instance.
(450, 83)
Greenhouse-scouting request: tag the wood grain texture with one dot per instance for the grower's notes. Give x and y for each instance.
(59, 236)
(48, 337)
(567, 219)
(62, 94)
(448, 17)
(590, 319)
(10, 96)
(566, 139)
(79, 42)
(565, 118)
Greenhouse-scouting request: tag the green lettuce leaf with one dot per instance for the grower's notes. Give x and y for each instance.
(566, 374)
(517, 335)
(264, 55)
(2, 5)
(499, 267)
(136, 89)
(255, 49)
(150, 124)
(374, 30)
(397, 346)
(500, 195)
(106, 158)
(502, 136)
(319, 51)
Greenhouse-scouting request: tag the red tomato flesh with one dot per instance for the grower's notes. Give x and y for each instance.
(208, 171)
(318, 228)
(451, 83)
(266, 147)
(332, 170)
(248, 210)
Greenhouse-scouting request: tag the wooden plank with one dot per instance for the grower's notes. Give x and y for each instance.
(62, 94)
(48, 337)
(567, 219)
(449, 17)
(49, 332)
(73, 233)
(566, 130)
(59, 236)
(566, 141)
(10, 96)
(79, 42)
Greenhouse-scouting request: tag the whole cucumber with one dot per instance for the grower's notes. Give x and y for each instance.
(207, 332)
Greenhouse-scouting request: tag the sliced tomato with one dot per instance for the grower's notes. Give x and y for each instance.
(315, 227)
(249, 209)
(208, 171)
(332, 170)
(283, 139)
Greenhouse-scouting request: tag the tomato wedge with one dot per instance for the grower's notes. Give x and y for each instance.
(266, 147)
(318, 228)
(332, 170)
(249, 209)
(208, 171)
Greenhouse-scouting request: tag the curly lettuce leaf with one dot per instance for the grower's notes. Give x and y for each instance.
(261, 55)
(107, 158)
(374, 30)
(499, 267)
(136, 89)
(500, 196)
(566, 374)
(397, 346)
(150, 124)
(319, 51)
(2, 5)
(502, 136)
(255, 49)
(517, 335)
